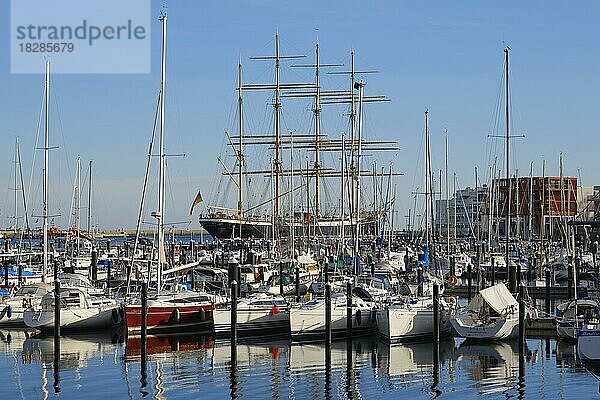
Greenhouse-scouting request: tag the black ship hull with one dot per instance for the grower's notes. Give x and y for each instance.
(225, 228)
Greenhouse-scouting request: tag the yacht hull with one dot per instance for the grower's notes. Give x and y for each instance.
(76, 319)
(309, 324)
(170, 318)
(402, 324)
(252, 322)
(503, 328)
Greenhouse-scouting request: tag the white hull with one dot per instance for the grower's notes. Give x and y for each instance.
(249, 321)
(399, 323)
(310, 322)
(16, 317)
(499, 329)
(566, 329)
(78, 318)
(588, 343)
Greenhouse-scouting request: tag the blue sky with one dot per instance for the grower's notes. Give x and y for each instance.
(437, 55)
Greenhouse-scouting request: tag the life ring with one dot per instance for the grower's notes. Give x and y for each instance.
(115, 316)
(175, 315)
(452, 280)
(202, 314)
(275, 310)
(358, 317)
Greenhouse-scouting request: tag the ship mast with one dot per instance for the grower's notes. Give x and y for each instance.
(361, 87)
(427, 181)
(45, 180)
(89, 210)
(511, 272)
(16, 188)
(161, 172)
(277, 161)
(240, 155)
(317, 165)
(78, 209)
(447, 200)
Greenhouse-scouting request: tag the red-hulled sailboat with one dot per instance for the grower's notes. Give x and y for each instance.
(177, 309)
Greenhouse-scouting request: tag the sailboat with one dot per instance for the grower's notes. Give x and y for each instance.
(177, 308)
(493, 314)
(79, 308)
(411, 317)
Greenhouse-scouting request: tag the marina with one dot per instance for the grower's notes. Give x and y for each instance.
(310, 265)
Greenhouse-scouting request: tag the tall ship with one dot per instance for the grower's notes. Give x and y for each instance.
(295, 184)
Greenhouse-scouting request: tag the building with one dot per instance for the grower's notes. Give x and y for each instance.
(467, 205)
(533, 203)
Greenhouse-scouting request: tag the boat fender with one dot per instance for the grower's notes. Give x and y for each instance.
(175, 315)
(202, 313)
(453, 280)
(138, 274)
(275, 310)
(528, 320)
(9, 311)
(358, 317)
(115, 316)
(121, 313)
(373, 315)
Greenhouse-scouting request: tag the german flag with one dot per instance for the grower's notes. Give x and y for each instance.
(197, 201)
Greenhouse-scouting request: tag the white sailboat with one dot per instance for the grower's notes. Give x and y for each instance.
(493, 314)
(588, 343)
(79, 310)
(26, 297)
(259, 314)
(308, 320)
(412, 318)
(571, 315)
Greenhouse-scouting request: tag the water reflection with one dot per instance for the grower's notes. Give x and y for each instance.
(193, 366)
(75, 349)
(492, 366)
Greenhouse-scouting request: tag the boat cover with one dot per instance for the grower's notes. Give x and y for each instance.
(498, 297)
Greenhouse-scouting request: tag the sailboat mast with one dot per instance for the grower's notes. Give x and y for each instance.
(529, 227)
(78, 210)
(342, 178)
(351, 172)
(161, 173)
(511, 277)
(15, 217)
(89, 210)
(292, 204)
(317, 132)
(427, 233)
(455, 206)
(490, 205)
(447, 199)
(277, 132)
(361, 87)
(240, 150)
(45, 180)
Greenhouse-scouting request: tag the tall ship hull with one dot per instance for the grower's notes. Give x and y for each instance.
(225, 227)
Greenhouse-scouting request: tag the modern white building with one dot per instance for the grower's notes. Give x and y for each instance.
(467, 209)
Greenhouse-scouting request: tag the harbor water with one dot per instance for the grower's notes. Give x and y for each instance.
(109, 365)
